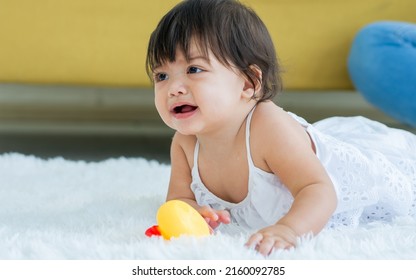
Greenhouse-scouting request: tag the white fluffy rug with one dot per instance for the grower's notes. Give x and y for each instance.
(61, 209)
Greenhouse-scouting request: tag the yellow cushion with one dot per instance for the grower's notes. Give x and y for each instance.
(103, 42)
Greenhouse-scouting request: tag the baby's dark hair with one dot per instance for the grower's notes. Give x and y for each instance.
(231, 31)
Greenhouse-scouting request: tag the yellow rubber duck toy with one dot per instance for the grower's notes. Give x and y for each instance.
(176, 218)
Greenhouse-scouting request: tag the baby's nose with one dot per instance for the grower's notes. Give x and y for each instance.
(177, 87)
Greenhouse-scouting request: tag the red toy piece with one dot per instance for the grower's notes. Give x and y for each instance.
(153, 231)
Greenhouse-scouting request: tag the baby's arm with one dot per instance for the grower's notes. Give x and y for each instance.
(289, 153)
(309, 213)
(181, 178)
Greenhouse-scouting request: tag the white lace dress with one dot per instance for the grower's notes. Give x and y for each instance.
(372, 166)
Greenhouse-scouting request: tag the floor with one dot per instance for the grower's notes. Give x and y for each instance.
(87, 148)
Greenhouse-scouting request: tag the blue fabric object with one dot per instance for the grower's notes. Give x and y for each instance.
(382, 67)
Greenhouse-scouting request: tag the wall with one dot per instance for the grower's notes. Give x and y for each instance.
(103, 42)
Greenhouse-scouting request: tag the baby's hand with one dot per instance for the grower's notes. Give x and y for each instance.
(273, 237)
(214, 217)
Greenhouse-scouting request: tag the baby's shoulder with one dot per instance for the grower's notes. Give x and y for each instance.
(185, 142)
(183, 145)
(268, 115)
(271, 126)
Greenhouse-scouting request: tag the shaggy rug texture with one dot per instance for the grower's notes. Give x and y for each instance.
(62, 209)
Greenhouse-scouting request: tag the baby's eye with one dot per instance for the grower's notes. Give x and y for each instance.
(158, 77)
(193, 70)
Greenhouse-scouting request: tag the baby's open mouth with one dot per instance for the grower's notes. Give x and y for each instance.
(184, 109)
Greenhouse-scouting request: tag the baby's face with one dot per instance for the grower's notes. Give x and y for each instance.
(197, 95)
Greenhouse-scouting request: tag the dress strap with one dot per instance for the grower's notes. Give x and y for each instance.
(196, 152)
(248, 123)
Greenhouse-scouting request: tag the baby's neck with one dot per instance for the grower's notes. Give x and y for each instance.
(225, 140)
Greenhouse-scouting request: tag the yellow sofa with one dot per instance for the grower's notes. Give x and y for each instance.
(103, 42)
(73, 82)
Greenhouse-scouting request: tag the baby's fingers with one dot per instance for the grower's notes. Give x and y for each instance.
(254, 240)
(261, 243)
(224, 216)
(265, 245)
(208, 213)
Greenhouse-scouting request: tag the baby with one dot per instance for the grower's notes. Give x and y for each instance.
(238, 157)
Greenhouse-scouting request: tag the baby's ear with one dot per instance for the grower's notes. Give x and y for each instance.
(252, 87)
